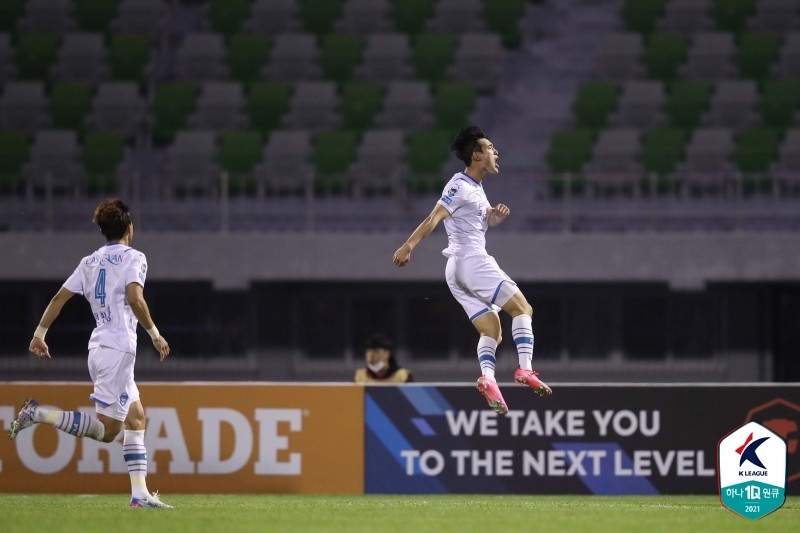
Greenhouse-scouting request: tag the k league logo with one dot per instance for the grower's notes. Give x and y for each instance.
(752, 471)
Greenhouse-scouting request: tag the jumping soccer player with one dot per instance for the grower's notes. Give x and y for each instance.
(474, 278)
(112, 280)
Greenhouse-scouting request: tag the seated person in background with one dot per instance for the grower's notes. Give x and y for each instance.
(380, 364)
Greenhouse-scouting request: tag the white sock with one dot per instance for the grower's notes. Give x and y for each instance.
(72, 422)
(487, 347)
(522, 331)
(135, 455)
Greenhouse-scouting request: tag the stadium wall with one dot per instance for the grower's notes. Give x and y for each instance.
(411, 439)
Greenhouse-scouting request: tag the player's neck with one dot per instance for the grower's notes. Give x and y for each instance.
(476, 174)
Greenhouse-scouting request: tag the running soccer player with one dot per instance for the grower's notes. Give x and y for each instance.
(112, 280)
(474, 277)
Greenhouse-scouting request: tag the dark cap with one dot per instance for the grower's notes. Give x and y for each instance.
(378, 340)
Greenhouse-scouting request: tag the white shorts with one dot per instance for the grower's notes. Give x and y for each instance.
(112, 374)
(478, 284)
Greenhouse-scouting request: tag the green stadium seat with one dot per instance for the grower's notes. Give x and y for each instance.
(731, 15)
(664, 54)
(641, 15)
(431, 55)
(339, 56)
(453, 103)
(101, 156)
(757, 52)
(95, 15)
(334, 151)
(426, 155)
(662, 150)
(756, 149)
(14, 149)
(128, 55)
(239, 153)
(361, 101)
(570, 150)
(36, 53)
(779, 102)
(503, 17)
(318, 16)
(267, 103)
(247, 54)
(69, 104)
(172, 104)
(594, 102)
(410, 16)
(226, 16)
(10, 12)
(686, 104)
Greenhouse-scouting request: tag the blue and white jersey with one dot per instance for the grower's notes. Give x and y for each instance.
(466, 226)
(102, 278)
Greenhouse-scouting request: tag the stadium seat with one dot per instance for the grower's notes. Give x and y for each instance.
(10, 12)
(710, 57)
(286, 165)
(426, 155)
(13, 155)
(267, 103)
(8, 69)
(172, 104)
(665, 53)
(95, 15)
(219, 107)
(688, 100)
(36, 53)
(141, 17)
(339, 55)
(504, 17)
(641, 105)
(226, 16)
(453, 103)
(361, 102)
(775, 16)
(361, 17)
(731, 15)
(432, 54)
(386, 56)
(686, 16)
(247, 55)
(708, 155)
(641, 15)
(190, 167)
(411, 16)
(273, 16)
(379, 166)
(663, 150)
(239, 153)
(82, 57)
(201, 57)
(569, 150)
(117, 107)
(407, 105)
(101, 155)
(614, 157)
(734, 105)
(788, 161)
(47, 16)
(293, 57)
(334, 152)
(456, 17)
(756, 149)
(313, 105)
(318, 16)
(478, 49)
(757, 52)
(69, 105)
(128, 56)
(619, 57)
(780, 102)
(23, 106)
(594, 103)
(788, 65)
(54, 163)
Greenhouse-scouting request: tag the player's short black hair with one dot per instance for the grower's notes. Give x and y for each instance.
(378, 340)
(113, 217)
(466, 143)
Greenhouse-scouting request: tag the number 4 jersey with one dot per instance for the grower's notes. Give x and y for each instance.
(103, 278)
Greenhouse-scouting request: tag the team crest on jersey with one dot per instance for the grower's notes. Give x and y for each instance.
(123, 399)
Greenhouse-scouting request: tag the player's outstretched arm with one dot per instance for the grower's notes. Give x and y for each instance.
(403, 254)
(141, 311)
(37, 346)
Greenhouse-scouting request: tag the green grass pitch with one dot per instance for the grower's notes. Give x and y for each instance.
(383, 514)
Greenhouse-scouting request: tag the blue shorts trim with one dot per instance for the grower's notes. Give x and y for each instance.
(479, 313)
(95, 400)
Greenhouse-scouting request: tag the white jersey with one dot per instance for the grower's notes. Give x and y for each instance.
(466, 226)
(102, 278)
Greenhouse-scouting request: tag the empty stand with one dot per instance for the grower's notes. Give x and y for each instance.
(665, 53)
(339, 55)
(710, 57)
(620, 57)
(641, 104)
(286, 165)
(201, 57)
(334, 152)
(47, 16)
(142, 17)
(219, 107)
(483, 49)
(247, 55)
(273, 16)
(82, 57)
(407, 105)
(687, 16)
(386, 56)
(102, 154)
(69, 105)
(239, 153)
(54, 163)
(775, 15)
(129, 56)
(117, 107)
(457, 16)
(365, 16)
(379, 165)
(313, 105)
(293, 57)
(733, 105)
(432, 54)
(361, 102)
(172, 104)
(8, 70)
(788, 64)
(190, 166)
(267, 103)
(23, 106)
